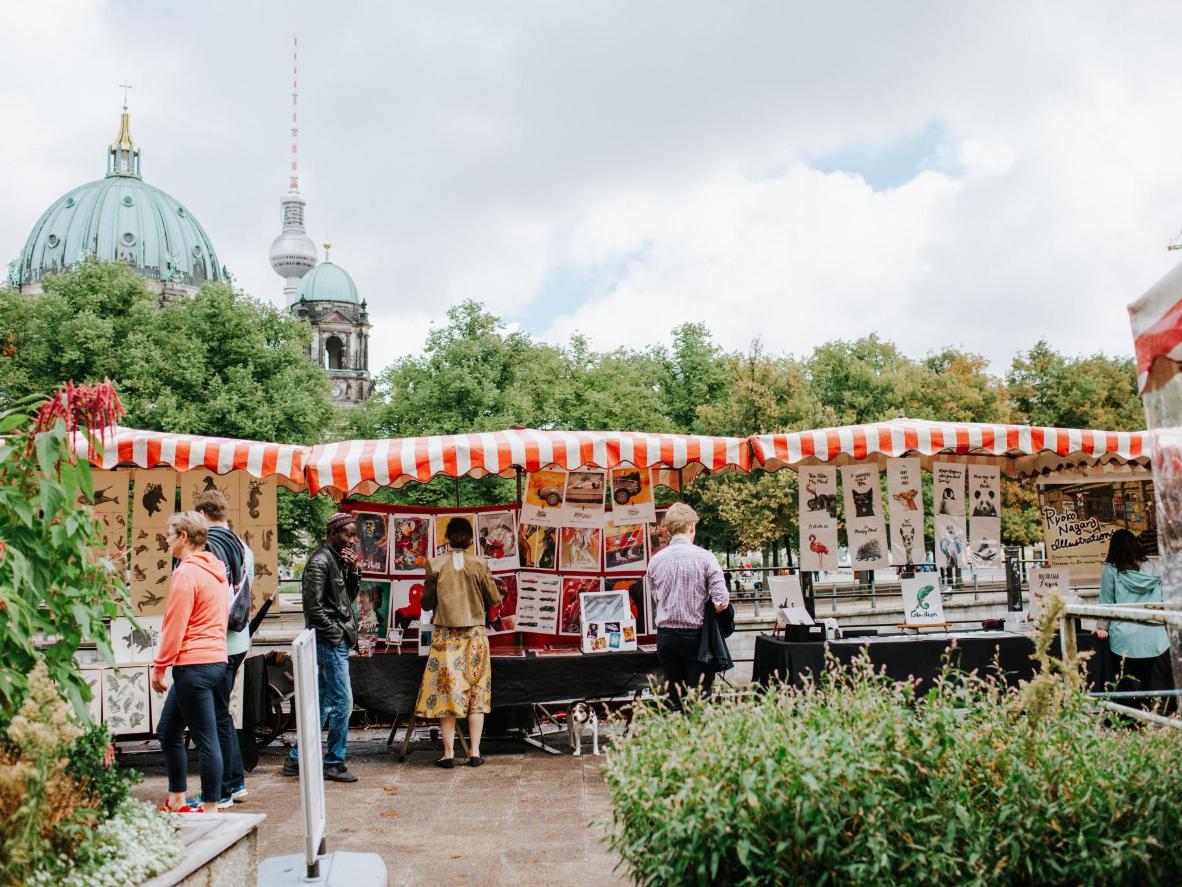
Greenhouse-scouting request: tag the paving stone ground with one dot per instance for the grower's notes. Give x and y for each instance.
(524, 818)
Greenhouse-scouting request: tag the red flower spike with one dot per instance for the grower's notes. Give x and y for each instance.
(82, 407)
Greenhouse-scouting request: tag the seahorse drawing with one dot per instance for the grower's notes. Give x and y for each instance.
(253, 500)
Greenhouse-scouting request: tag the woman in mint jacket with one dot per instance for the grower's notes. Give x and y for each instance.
(1140, 652)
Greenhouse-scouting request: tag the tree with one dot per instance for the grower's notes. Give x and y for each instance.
(1047, 388)
(692, 373)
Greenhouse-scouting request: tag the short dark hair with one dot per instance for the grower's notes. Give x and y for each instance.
(459, 532)
(213, 504)
(1124, 551)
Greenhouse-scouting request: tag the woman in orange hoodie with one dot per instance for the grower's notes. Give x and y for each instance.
(193, 642)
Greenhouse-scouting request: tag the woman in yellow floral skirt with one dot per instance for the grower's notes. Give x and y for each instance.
(458, 681)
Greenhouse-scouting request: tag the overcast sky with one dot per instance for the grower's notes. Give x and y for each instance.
(976, 175)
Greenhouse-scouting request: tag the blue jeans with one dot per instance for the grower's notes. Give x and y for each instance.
(336, 700)
(192, 701)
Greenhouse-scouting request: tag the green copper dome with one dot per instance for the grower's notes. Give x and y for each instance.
(120, 218)
(328, 283)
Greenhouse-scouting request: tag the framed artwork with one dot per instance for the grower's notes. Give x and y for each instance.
(538, 547)
(94, 681)
(372, 608)
(132, 645)
(632, 496)
(496, 539)
(125, 700)
(441, 523)
(373, 542)
(606, 623)
(638, 600)
(539, 596)
(406, 606)
(570, 608)
(412, 543)
(580, 549)
(502, 619)
(584, 499)
(623, 547)
(545, 493)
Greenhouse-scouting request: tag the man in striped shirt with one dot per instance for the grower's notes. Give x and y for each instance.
(682, 577)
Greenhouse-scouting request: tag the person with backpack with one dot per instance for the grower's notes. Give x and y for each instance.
(224, 544)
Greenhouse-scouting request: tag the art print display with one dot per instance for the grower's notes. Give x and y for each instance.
(411, 545)
(406, 605)
(579, 549)
(257, 504)
(372, 609)
(951, 544)
(623, 547)
(907, 542)
(985, 542)
(1079, 517)
(657, 537)
(94, 681)
(905, 494)
(125, 700)
(948, 486)
(638, 600)
(256, 518)
(865, 524)
(818, 491)
(109, 491)
(496, 539)
(1048, 581)
(502, 618)
(538, 598)
(153, 500)
(868, 543)
(373, 542)
(922, 603)
(545, 492)
(132, 645)
(441, 524)
(585, 491)
(818, 517)
(984, 491)
(201, 480)
(786, 591)
(538, 547)
(606, 624)
(115, 540)
(569, 611)
(632, 496)
(818, 544)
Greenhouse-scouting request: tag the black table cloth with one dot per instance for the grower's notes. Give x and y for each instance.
(388, 683)
(918, 656)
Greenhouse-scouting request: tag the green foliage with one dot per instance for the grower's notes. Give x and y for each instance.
(53, 586)
(1047, 388)
(860, 780)
(109, 786)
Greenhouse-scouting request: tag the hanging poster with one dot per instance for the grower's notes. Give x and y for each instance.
(865, 525)
(985, 542)
(412, 543)
(632, 496)
(637, 600)
(545, 493)
(200, 480)
(580, 548)
(116, 546)
(948, 485)
(496, 539)
(569, 610)
(538, 598)
(441, 522)
(373, 543)
(152, 501)
(406, 606)
(256, 521)
(538, 547)
(950, 542)
(256, 500)
(605, 622)
(110, 491)
(984, 491)
(94, 681)
(922, 604)
(502, 618)
(905, 490)
(132, 645)
(623, 547)
(1047, 581)
(584, 499)
(657, 537)
(372, 609)
(125, 700)
(818, 517)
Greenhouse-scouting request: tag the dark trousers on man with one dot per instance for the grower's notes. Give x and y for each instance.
(233, 775)
(677, 648)
(1151, 674)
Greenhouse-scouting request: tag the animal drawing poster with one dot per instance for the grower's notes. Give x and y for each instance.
(984, 491)
(257, 525)
(502, 618)
(372, 608)
(201, 480)
(256, 500)
(907, 543)
(985, 542)
(948, 484)
(538, 598)
(579, 548)
(584, 499)
(125, 700)
(115, 541)
(411, 545)
(538, 547)
(496, 539)
(153, 500)
(545, 492)
(109, 489)
(406, 605)
(1046, 582)
(818, 544)
(818, 491)
(632, 496)
(905, 498)
(623, 547)
(865, 525)
(570, 609)
(94, 682)
(606, 624)
(922, 604)
(132, 645)
(638, 600)
(867, 542)
(951, 544)
(441, 523)
(373, 542)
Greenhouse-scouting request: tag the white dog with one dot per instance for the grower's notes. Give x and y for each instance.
(580, 717)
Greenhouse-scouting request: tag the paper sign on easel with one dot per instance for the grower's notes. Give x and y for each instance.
(1047, 581)
(922, 604)
(905, 489)
(818, 517)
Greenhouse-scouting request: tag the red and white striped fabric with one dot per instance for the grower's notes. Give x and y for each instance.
(1020, 449)
(367, 464)
(152, 449)
(1157, 331)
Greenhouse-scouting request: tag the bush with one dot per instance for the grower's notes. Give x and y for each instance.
(860, 780)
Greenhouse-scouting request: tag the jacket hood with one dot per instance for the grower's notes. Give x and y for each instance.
(1136, 582)
(207, 561)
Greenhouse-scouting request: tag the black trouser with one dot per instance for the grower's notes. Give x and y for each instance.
(677, 648)
(191, 702)
(233, 776)
(1150, 674)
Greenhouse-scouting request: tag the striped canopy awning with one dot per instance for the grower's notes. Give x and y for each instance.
(1156, 318)
(364, 465)
(1021, 450)
(157, 449)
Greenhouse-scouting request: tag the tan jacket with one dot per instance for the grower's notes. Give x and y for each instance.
(459, 598)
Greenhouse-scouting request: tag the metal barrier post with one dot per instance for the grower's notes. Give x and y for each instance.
(307, 706)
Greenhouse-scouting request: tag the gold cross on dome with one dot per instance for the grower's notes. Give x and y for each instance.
(125, 86)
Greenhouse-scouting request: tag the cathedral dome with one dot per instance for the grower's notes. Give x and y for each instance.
(328, 283)
(120, 218)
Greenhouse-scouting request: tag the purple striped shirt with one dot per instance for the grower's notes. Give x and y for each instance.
(681, 577)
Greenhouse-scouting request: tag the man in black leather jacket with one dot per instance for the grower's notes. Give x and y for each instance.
(330, 585)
